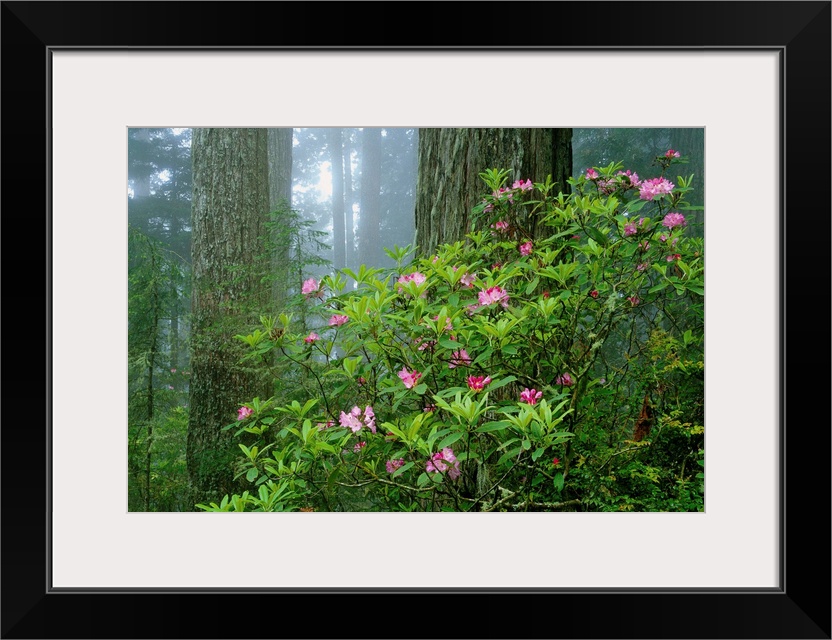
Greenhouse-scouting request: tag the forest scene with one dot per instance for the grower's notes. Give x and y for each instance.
(416, 319)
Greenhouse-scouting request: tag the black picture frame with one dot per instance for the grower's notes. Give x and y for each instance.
(800, 608)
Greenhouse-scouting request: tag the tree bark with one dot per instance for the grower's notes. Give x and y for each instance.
(280, 203)
(229, 211)
(449, 164)
(348, 202)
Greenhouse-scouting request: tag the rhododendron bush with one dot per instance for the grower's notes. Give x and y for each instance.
(551, 360)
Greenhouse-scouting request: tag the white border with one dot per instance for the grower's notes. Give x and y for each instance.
(97, 95)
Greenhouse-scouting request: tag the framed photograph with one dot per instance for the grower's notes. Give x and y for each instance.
(753, 564)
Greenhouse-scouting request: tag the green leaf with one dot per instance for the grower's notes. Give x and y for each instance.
(537, 453)
(251, 475)
(596, 235)
(420, 388)
(450, 439)
(558, 481)
(402, 469)
(492, 426)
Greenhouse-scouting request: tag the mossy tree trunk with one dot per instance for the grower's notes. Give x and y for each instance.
(229, 257)
(449, 164)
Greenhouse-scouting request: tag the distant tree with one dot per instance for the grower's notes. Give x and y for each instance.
(449, 164)
(339, 237)
(369, 250)
(230, 207)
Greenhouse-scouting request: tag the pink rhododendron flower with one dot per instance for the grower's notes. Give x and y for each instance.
(370, 418)
(591, 174)
(500, 225)
(654, 187)
(555, 461)
(429, 408)
(524, 186)
(671, 154)
(409, 378)
(325, 425)
(631, 177)
(311, 287)
(173, 370)
(492, 295)
(441, 460)
(630, 229)
(663, 238)
(467, 280)
(311, 338)
(355, 421)
(564, 379)
(674, 256)
(530, 396)
(525, 248)
(337, 321)
(634, 300)
(416, 277)
(459, 359)
(351, 420)
(477, 383)
(392, 465)
(594, 293)
(643, 246)
(359, 446)
(641, 266)
(503, 193)
(674, 220)
(243, 413)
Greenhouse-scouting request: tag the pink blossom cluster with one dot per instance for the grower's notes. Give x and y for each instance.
(672, 154)
(459, 358)
(392, 465)
(477, 383)
(630, 229)
(338, 320)
(416, 277)
(468, 280)
(355, 420)
(654, 187)
(493, 295)
(409, 378)
(311, 338)
(500, 225)
(243, 413)
(441, 461)
(525, 248)
(630, 177)
(634, 300)
(672, 220)
(591, 174)
(359, 446)
(674, 256)
(523, 186)
(312, 288)
(530, 396)
(425, 345)
(564, 379)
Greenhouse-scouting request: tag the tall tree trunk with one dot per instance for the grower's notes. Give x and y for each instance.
(280, 204)
(339, 240)
(370, 251)
(230, 205)
(348, 202)
(449, 164)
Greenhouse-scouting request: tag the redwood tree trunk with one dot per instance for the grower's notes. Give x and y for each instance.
(450, 161)
(280, 203)
(229, 210)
